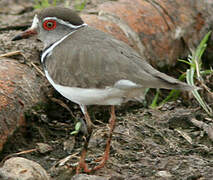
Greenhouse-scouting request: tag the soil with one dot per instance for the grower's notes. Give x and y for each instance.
(147, 143)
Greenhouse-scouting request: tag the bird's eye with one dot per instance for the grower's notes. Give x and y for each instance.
(49, 25)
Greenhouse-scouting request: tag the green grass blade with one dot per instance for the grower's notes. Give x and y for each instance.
(154, 101)
(190, 80)
(196, 66)
(174, 94)
(206, 72)
(79, 6)
(201, 47)
(184, 61)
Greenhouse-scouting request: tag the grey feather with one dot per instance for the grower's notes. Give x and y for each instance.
(90, 58)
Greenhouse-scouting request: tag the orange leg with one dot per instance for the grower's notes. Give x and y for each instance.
(105, 157)
(82, 164)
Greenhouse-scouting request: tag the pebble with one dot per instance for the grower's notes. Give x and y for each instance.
(18, 168)
(88, 177)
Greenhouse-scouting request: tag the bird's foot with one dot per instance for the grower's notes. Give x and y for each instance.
(102, 160)
(84, 166)
(98, 159)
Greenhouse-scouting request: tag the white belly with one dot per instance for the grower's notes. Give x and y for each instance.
(107, 96)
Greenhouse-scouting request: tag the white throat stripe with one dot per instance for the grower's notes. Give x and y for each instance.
(48, 50)
(65, 22)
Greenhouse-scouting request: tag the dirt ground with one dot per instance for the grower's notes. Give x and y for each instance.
(147, 144)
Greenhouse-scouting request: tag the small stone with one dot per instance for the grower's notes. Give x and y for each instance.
(164, 174)
(19, 168)
(69, 144)
(88, 177)
(43, 148)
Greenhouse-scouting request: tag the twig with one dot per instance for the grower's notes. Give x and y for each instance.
(207, 89)
(185, 136)
(16, 154)
(31, 63)
(38, 69)
(208, 128)
(64, 160)
(14, 53)
(61, 103)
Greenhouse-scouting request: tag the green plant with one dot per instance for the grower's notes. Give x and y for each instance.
(77, 128)
(155, 100)
(195, 70)
(79, 5)
(195, 63)
(173, 95)
(40, 4)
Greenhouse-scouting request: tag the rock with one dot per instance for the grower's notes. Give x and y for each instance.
(19, 168)
(69, 144)
(164, 174)
(43, 148)
(159, 31)
(89, 177)
(20, 89)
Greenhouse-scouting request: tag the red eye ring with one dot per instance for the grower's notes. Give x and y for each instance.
(49, 24)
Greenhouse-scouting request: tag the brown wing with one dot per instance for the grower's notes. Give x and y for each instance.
(90, 58)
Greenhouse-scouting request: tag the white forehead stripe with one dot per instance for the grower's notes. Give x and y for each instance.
(35, 22)
(64, 22)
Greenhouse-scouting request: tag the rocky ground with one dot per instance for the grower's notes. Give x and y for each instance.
(174, 141)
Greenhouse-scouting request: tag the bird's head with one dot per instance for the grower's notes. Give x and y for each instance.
(51, 24)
